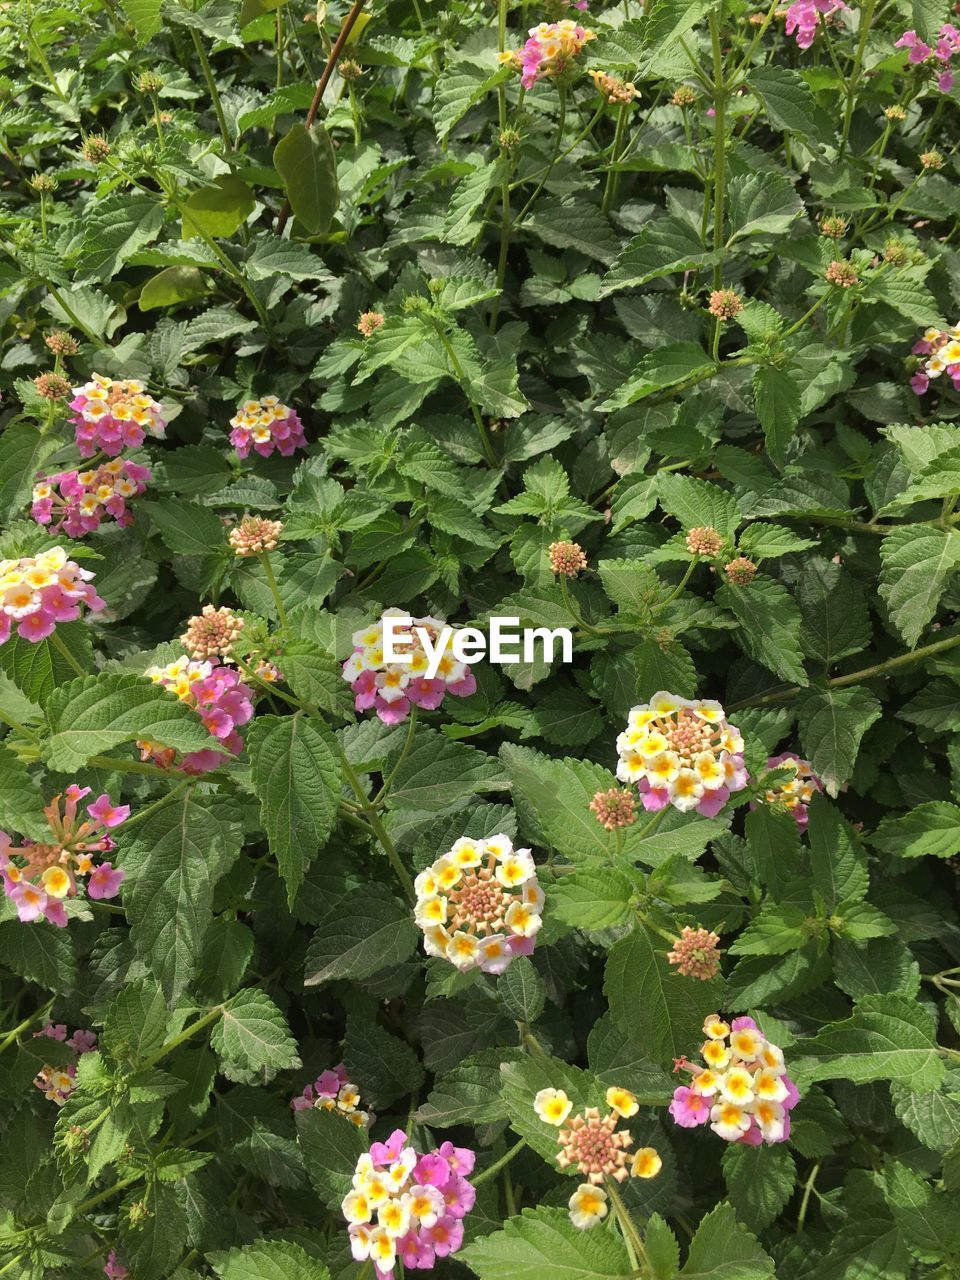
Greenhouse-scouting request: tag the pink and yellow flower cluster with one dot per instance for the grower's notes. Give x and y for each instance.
(39, 875)
(79, 501)
(549, 50)
(37, 592)
(941, 351)
(407, 1206)
(333, 1091)
(265, 426)
(392, 688)
(682, 752)
(111, 415)
(57, 1083)
(743, 1090)
(479, 904)
(795, 792)
(220, 699)
(803, 17)
(944, 51)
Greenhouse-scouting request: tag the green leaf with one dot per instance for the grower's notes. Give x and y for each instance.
(574, 224)
(114, 229)
(698, 502)
(591, 898)
(838, 863)
(664, 664)
(296, 777)
(523, 1079)
(315, 677)
(39, 953)
(722, 1249)
(760, 1181)
(437, 774)
(787, 100)
(836, 622)
(268, 1260)
(916, 563)
(145, 17)
(520, 990)
(369, 932)
(173, 285)
(173, 859)
(384, 1067)
(135, 1024)
(469, 1094)
(769, 625)
(331, 1146)
(22, 452)
(89, 716)
(187, 528)
(560, 792)
(219, 209)
(252, 1039)
(655, 1006)
(668, 245)
(20, 801)
(931, 829)
(776, 399)
(665, 367)
(761, 204)
(305, 160)
(544, 1242)
(38, 669)
(886, 1038)
(832, 724)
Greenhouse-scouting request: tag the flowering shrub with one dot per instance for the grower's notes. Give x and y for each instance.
(629, 330)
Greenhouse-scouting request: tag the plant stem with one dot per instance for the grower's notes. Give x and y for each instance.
(866, 17)
(504, 186)
(274, 589)
(373, 818)
(627, 1225)
(11, 1036)
(408, 742)
(141, 814)
(807, 1191)
(561, 122)
(719, 148)
(492, 1170)
(67, 655)
(461, 377)
(183, 1037)
(613, 177)
(855, 677)
(212, 88)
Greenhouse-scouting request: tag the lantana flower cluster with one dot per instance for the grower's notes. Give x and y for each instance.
(743, 1090)
(596, 1147)
(392, 688)
(115, 1270)
(479, 904)
(265, 426)
(220, 699)
(549, 50)
(945, 49)
(941, 351)
(79, 501)
(57, 1083)
(795, 792)
(37, 592)
(39, 875)
(333, 1091)
(803, 17)
(682, 752)
(111, 415)
(408, 1206)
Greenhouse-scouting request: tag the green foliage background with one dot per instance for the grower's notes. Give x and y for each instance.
(547, 370)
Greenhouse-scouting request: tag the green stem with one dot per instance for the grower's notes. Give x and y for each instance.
(807, 1192)
(461, 377)
(613, 176)
(627, 1225)
(212, 88)
(142, 814)
(183, 1037)
(683, 582)
(373, 818)
(807, 314)
(561, 123)
(719, 148)
(530, 1041)
(573, 611)
(408, 743)
(492, 1170)
(72, 315)
(11, 1036)
(67, 655)
(855, 677)
(7, 719)
(235, 274)
(866, 17)
(274, 589)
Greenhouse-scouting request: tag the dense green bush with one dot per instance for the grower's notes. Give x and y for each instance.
(662, 354)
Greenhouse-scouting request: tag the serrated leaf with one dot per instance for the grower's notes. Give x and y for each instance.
(370, 932)
(916, 563)
(544, 1242)
(931, 829)
(305, 160)
(832, 724)
(252, 1039)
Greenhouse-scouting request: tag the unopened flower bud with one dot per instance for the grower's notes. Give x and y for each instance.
(741, 571)
(369, 322)
(211, 634)
(51, 386)
(896, 253)
(725, 304)
(614, 808)
(43, 184)
(704, 541)
(696, 954)
(509, 139)
(148, 82)
(613, 90)
(931, 160)
(61, 344)
(95, 148)
(843, 274)
(683, 96)
(567, 558)
(895, 113)
(833, 228)
(254, 535)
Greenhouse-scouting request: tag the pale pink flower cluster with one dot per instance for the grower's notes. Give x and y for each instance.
(115, 1270)
(112, 415)
(550, 49)
(946, 48)
(80, 501)
(37, 592)
(333, 1091)
(743, 1090)
(219, 698)
(57, 1083)
(941, 349)
(392, 688)
(266, 425)
(682, 752)
(803, 18)
(408, 1207)
(39, 875)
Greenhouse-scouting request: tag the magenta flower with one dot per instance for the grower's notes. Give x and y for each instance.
(113, 1269)
(689, 1109)
(105, 881)
(222, 702)
(40, 591)
(80, 501)
(266, 425)
(111, 416)
(104, 811)
(802, 18)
